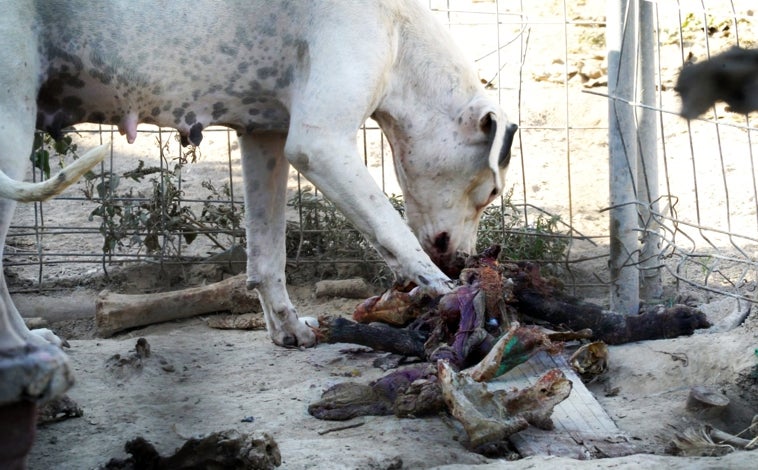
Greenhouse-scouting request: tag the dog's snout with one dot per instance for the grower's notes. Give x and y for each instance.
(444, 253)
(442, 242)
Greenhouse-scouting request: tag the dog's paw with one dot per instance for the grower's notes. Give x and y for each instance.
(434, 288)
(298, 335)
(43, 336)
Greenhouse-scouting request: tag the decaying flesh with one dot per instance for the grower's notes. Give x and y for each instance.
(472, 335)
(509, 291)
(513, 348)
(487, 417)
(411, 391)
(378, 336)
(461, 326)
(491, 416)
(414, 390)
(394, 307)
(455, 331)
(227, 449)
(590, 360)
(538, 298)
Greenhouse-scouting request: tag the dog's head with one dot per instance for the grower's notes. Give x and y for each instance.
(450, 170)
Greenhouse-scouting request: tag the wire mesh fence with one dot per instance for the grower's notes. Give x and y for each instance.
(692, 199)
(547, 63)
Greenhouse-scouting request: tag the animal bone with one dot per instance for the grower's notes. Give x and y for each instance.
(489, 417)
(246, 321)
(118, 312)
(348, 288)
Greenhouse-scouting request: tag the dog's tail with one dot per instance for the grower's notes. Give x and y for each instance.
(28, 192)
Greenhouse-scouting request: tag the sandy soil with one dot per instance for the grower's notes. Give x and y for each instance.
(201, 380)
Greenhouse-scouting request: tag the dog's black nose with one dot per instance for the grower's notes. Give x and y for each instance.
(442, 242)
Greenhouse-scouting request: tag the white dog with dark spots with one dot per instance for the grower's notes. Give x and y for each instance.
(296, 80)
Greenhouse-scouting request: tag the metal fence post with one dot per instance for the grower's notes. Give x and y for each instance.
(621, 31)
(647, 171)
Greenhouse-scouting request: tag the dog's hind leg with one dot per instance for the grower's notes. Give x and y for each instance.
(18, 109)
(13, 332)
(265, 172)
(16, 135)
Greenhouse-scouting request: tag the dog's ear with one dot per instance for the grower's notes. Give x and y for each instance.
(501, 136)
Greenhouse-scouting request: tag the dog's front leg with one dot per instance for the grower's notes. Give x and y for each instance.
(330, 161)
(265, 172)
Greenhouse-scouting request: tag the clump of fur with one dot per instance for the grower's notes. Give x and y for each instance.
(731, 76)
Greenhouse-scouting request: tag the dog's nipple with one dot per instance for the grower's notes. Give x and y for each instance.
(128, 126)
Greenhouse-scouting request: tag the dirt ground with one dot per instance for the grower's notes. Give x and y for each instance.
(201, 380)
